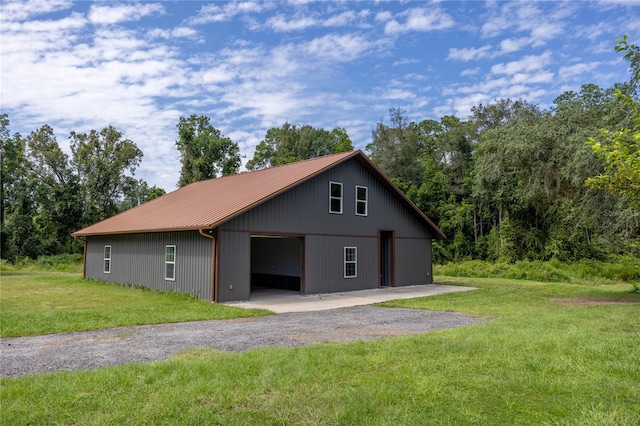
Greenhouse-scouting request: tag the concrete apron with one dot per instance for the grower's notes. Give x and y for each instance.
(281, 301)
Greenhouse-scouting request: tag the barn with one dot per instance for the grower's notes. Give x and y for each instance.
(329, 224)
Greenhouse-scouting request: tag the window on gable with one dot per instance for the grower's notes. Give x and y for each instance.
(350, 262)
(170, 263)
(107, 260)
(335, 197)
(361, 200)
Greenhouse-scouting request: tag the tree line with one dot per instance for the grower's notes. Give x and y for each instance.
(512, 182)
(46, 194)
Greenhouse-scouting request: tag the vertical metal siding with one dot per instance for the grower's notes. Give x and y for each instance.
(138, 259)
(234, 275)
(324, 268)
(413, 266)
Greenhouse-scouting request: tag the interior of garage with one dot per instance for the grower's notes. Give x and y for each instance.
(276, 263)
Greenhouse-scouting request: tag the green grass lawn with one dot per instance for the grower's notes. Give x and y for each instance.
(43, 303)
(553, 354)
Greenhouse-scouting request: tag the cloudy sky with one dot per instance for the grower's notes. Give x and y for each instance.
(250, 66)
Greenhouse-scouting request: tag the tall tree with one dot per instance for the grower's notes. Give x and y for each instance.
(58, 193)
(290, 143)
(396, 149)
(17, 205)
(104, 161)
(204, 152)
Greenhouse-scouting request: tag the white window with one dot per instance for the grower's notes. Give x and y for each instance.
(350, 262)
(335, 197)
(170, 263)
(361, 200)
(107, 259)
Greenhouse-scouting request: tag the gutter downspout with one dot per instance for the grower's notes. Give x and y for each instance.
(209, 234)
(84, 254)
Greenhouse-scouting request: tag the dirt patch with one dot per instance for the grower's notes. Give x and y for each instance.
(596, 300)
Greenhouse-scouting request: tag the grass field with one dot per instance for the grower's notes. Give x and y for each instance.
(553, 354)
(43, 303)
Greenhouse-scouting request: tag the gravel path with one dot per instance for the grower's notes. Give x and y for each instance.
(94, 349)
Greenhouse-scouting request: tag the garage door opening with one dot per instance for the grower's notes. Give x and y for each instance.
(276, 264)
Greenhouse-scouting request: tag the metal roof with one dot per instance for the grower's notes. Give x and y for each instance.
(209, 203)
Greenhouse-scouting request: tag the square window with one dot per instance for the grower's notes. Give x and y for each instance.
(170, 263)
(350, 262)
(361, 200)
(107, 260)
(335, 197)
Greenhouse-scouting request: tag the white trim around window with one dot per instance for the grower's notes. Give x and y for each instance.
(362, 200)
(350, 262)
(170, 263)
(106, 268)
(335, 197)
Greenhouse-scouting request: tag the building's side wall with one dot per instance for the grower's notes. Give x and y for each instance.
(139, 259)
(304, 211)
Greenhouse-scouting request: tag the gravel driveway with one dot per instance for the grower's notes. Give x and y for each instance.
(94, 349)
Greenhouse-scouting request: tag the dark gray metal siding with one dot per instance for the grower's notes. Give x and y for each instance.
(304, 210)
(324, 271)
(234, 267)
(413, 261)
(139, 259)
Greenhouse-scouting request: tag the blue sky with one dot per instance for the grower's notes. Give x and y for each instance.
(250, 66)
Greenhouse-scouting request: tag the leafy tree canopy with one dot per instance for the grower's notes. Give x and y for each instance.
(291, 143)
(204, 152)
(620, 149)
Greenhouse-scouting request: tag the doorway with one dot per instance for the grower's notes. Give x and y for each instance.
(276, 264)
(386, 259)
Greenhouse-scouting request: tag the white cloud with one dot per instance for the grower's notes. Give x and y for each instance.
(470, 54)
(513, 45)
(212, 12)
(383, 16)
(470, 72)
(173, 33)
(20, 10)
(397, 94)
(419, 19)
(540, 25)
(341, 48)
(106, 15)
(577, 70)
(527, 63)
(406, 61)
(282, 23)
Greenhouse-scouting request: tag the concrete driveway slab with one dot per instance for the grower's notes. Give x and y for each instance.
(288, 301)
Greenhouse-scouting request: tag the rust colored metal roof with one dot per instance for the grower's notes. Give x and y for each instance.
(206, 204)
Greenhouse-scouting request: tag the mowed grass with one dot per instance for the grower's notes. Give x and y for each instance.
(43, 303)
(552, 354)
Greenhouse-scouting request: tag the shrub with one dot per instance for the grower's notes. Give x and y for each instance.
(626, 269)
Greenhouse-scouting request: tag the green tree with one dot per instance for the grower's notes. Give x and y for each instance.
(396, 149)
(17, 205)
(103, 162)
(291, 143)
(137, 192)
(620, 149)
(57, 191)
(204, 152)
